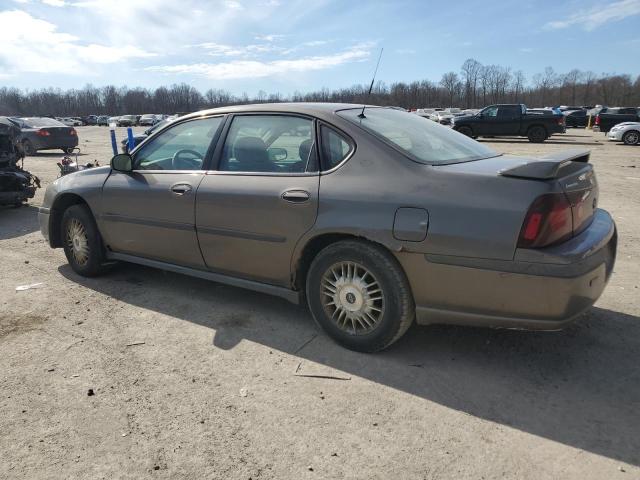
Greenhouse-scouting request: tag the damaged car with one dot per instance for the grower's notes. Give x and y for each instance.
(16, 184)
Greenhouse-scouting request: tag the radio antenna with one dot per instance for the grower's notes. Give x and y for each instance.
(371, 86)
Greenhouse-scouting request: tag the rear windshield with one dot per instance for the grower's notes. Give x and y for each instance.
(419, 138)
(41, 122)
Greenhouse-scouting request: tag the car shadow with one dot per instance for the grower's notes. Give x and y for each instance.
(18, 221)
(579, 387)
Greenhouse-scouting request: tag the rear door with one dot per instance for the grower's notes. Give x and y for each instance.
(150, 212)
(252, 210)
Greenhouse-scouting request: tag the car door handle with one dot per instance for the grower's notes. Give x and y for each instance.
(181, 188)
(296, 196)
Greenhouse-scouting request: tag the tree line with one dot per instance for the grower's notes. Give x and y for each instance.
(474, 86)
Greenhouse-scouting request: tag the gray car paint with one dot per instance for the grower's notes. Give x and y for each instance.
(247, 231)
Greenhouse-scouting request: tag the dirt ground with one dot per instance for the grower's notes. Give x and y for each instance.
(192, 379)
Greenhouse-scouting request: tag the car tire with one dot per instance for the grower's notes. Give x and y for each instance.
(68, 150)
(537, 134)
(82, 242)
(632, 137)
(466, 131)
(359, 295)
(27, 147)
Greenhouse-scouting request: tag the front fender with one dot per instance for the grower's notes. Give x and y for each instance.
(80, 187)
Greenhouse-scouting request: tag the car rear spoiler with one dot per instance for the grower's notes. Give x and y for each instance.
(551, 166)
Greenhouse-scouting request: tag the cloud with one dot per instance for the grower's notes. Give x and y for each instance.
(233, 5)
(55, 3)
(525, 50)
(595, 17)
(222, 50)
(269, 38)
(254, 69)
(34, 45)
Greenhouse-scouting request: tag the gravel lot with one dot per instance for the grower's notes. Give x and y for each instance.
(217, 389)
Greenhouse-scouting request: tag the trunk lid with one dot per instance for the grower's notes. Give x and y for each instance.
(58, 132)
(575, 175)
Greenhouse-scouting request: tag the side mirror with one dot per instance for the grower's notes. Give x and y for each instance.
(122, 162)
(278, 154)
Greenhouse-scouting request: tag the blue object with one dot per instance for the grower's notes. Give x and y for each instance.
(114, 145)
(132, 141)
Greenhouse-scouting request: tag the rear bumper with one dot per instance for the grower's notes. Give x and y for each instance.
(540, 289)
(46, 144)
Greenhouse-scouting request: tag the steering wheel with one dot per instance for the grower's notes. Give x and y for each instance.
(178, 163)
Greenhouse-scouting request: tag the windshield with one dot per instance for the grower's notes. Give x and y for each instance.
(420, 139)
(41, 122)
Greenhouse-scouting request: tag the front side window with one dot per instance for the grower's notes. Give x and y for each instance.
(421, 140)
(181, 147)
(268, 143)
(335, 148)
(490, 112)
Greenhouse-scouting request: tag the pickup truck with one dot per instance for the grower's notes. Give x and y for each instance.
(607, 118)
(510, 120)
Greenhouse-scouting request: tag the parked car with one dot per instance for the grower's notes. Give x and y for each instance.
(425, 112)
(627, 132)
(90, 120)
(69, 122)
(137, 139)
(148, 120)
(442, 117)
(113, 120)
(40, 133)
(127, 121)
(575, 118)
(103, 120)
(455, 233)
(510, 120)
(609, 117)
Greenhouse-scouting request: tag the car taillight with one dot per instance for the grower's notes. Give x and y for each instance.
(548, 221)
(73, 132)
(43, 133)
(597, 120)
(561, 121)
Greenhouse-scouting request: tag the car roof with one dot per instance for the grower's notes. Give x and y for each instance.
(313, 109)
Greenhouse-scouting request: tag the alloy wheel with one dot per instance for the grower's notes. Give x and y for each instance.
(352, 298)
(632, 138)
(77, 241)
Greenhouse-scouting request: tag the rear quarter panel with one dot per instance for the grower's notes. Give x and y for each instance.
(473, 211)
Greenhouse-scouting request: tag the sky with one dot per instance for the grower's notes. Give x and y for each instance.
(304, 45)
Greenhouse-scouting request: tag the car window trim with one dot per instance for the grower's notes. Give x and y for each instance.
(210, 149)
(217, 156)
(350, 141)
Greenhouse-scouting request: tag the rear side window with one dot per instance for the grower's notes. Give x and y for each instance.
(511, 111)
(335, 148)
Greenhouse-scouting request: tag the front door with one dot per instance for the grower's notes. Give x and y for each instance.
(487, 125)
(263, 197)
(150, 212)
